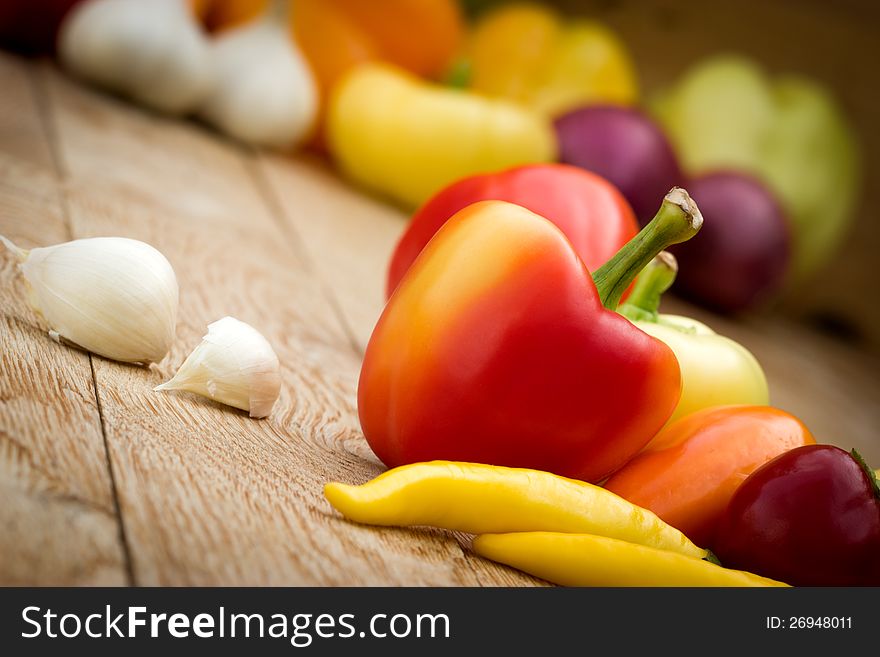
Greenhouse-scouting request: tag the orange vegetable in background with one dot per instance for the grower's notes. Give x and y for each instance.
(530, 53)
(420, 36)
(331, 43)
(690, 470)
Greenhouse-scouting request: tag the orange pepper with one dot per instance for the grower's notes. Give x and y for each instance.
(419, 35)
(690, 470)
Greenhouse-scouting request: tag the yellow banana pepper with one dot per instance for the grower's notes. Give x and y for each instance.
(527, 53)
(715, 370)
(408, 138)
(587, 560)
(481, 499)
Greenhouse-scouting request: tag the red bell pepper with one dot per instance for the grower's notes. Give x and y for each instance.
(591, 212)
(496, 348)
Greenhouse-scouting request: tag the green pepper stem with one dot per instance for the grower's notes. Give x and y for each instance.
(643, 301)
(872, 476)
(677, 220)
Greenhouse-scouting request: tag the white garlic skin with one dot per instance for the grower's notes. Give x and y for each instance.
(113, 296)
(150, 50)
(265, 94)
(235, 365)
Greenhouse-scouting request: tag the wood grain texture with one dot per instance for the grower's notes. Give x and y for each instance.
(57, 513)
(348, 236)
(208, 495)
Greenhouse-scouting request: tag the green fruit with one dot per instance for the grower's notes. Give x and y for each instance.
(810, 156)
(726, 113)
(719, 115)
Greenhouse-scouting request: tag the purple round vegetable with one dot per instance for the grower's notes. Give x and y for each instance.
(741, 254)
(625, 147)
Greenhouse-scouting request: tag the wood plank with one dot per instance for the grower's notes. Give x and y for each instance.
(207, 495)
(348, 236)
(56, 503)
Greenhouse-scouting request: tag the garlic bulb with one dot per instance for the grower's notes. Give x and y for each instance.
(265, 94)
(113, 296)
(152, 51)
(234, 364)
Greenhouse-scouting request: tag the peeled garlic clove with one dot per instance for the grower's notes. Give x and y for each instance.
(235, 365)
(153, 51)
(265, 93)
(113, 296)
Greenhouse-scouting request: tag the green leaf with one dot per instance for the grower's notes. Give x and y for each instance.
(871, 476)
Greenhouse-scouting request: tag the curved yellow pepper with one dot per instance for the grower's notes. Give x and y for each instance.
(407, 138)
(715, 370)
(480, 499)
(587, 560)
(527, 53)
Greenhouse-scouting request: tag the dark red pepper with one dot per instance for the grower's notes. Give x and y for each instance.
(809, 517)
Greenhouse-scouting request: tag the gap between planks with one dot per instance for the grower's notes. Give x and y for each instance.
(265, 189)
(59, 523)
(37, 78)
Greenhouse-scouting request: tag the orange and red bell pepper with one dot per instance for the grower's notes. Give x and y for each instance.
(498, 347)
(591, 212)
(690, 470)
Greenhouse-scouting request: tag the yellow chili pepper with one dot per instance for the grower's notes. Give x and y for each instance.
(407, 138)
(587, 560)
(481, 499)
(527, 53)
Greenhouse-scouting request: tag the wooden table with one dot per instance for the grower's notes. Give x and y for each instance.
(103, 481)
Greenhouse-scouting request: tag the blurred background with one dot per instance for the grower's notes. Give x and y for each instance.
(763, 109)
(834, 44)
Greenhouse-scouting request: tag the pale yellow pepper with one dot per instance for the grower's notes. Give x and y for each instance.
(528, 53)
(407, 138)
(715, 370)
(588, 560)
(481, 499)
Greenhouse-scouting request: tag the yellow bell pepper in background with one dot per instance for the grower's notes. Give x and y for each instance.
(715, 370)
(481, 499)
(587, 560)
(529, 54)
(408, 138)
